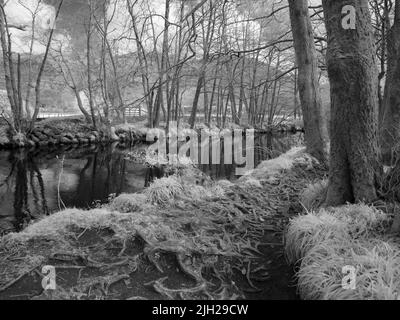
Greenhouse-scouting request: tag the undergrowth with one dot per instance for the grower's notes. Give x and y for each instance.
(210, 228)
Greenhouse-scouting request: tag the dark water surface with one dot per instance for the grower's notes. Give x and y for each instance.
(37, 183)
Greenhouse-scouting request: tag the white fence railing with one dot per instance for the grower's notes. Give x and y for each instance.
(46, 115)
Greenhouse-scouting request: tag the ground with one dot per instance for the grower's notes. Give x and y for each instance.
(185, 237)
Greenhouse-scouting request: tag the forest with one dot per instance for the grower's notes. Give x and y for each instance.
(292, 107)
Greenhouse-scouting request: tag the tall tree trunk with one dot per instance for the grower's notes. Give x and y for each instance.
(200, 82)
(88, 61)
(316, 133)
(40, 73)
(164, 59)
(390, 129)
(144, 68)
(74, 88)
(80, 105)
(8, 74)
(353, 76)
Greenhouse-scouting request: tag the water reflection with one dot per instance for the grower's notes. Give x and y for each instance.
(267, 146)
(34, 184)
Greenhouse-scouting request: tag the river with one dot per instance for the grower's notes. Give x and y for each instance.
(39, 182)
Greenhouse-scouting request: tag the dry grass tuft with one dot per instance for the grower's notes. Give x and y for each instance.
(164, 191)
(326, 241)
(377, 266)
(126, 203)
(351, 221)
(250, 182)
(314, 195)
(269, 169)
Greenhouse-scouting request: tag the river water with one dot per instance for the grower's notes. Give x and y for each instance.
(37, 183)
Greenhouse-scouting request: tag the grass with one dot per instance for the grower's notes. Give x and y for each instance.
(348, 222)
(270, 168)
(314, 195)
(126, 203)
(209, 228)
(324, 242)
(164, 191)
(377, 265)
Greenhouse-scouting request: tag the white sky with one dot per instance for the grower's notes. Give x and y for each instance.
(20, 12)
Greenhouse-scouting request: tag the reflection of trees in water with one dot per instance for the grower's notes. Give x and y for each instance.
(102, 175)
(266, 146)
(26, 172)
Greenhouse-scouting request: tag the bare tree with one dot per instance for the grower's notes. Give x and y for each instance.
(316, 135)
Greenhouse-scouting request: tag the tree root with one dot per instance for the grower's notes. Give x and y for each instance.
(172, 294)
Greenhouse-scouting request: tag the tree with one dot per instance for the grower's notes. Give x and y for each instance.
(390, 129)
(14, 79)
(41, 70)
(352, 72)
(316, 134)
(89, 32)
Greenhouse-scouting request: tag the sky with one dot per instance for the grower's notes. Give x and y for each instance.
(70, 21)
(20, 12)
(70, 24)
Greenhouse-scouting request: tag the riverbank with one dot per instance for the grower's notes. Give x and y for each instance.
(184, 237)
(75, 131)
(69, 131)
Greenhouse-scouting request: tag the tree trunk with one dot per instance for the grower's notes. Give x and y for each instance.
(8, 74)
(353, 78)
(163, 68)
(89, 75)
(390, 132)
(316, 133)
(80, 105)
(40, 73)
(200, 82)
